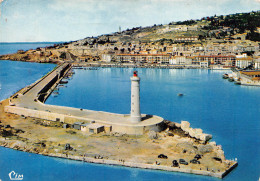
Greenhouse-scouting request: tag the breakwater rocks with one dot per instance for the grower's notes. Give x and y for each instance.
(194, 133)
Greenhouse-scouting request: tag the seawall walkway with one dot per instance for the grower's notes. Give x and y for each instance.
(31, 103)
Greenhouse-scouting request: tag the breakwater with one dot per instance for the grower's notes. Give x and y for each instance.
(31, 104)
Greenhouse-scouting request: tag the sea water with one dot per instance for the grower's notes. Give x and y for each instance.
(229, 112)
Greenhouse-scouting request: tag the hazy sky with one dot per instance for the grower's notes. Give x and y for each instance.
(65, 20)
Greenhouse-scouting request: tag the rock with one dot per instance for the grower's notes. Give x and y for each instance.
(171, 125)
(213, 143)
(219, 147)
(191, 132)
(170, 134)
(178, 125)
(152, 135)
(205, 148)
(221, 154)
(205, 137)
(187, 146)
(185, 125)
(198, 131)
(197, 136)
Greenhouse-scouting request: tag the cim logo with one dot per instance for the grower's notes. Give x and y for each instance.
(15, 176)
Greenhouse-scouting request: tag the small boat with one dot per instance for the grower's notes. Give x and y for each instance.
(231, 79)
(92, 68)
(180, 94)
(63, 82)
(55, 93)
(225, 76)
(238, 81)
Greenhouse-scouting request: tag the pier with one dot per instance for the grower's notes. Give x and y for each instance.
(29, 102)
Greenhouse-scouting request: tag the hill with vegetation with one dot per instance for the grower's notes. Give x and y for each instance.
(207, 27)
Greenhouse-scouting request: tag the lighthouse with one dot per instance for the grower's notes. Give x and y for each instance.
(135, 98)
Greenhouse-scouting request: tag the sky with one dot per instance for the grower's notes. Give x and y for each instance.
(69, 20)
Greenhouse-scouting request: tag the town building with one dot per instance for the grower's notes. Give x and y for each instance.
(143, 58)
(180, 60)
(244, 62)
(225, 60)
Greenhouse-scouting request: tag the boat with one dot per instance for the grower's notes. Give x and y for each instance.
(64, 82)
(92, 68)
(225, 76)
(231, 79)
(55, 93)
(180, 94)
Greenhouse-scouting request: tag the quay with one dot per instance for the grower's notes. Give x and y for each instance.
(220, 175)
(141, 65)
(29, 102)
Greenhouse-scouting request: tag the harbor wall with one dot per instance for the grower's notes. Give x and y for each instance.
(146, 166)
(245, 81)
(34, 113)
(50, 116)
(69, 119)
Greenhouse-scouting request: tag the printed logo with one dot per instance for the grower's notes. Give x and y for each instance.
(15, 176)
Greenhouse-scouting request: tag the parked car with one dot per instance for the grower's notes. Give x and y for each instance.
(217, 159)
(182, 161)
(194, 161)
(162, 156)
(175, 163)
(197, 157)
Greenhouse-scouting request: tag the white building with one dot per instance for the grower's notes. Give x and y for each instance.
(257, 63)
(244, 62)
(107, 57)
(180, 60)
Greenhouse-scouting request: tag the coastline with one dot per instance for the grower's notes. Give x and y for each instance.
(102, 64)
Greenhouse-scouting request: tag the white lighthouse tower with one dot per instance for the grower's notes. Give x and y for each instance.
(135, 98)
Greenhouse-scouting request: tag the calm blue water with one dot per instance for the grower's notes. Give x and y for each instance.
(6, 48)
(229, 112)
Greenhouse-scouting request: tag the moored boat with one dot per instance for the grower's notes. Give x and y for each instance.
(225, 76)
(231, 79)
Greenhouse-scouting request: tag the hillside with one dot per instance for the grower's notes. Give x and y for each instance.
(226, 25)
(224, 34)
